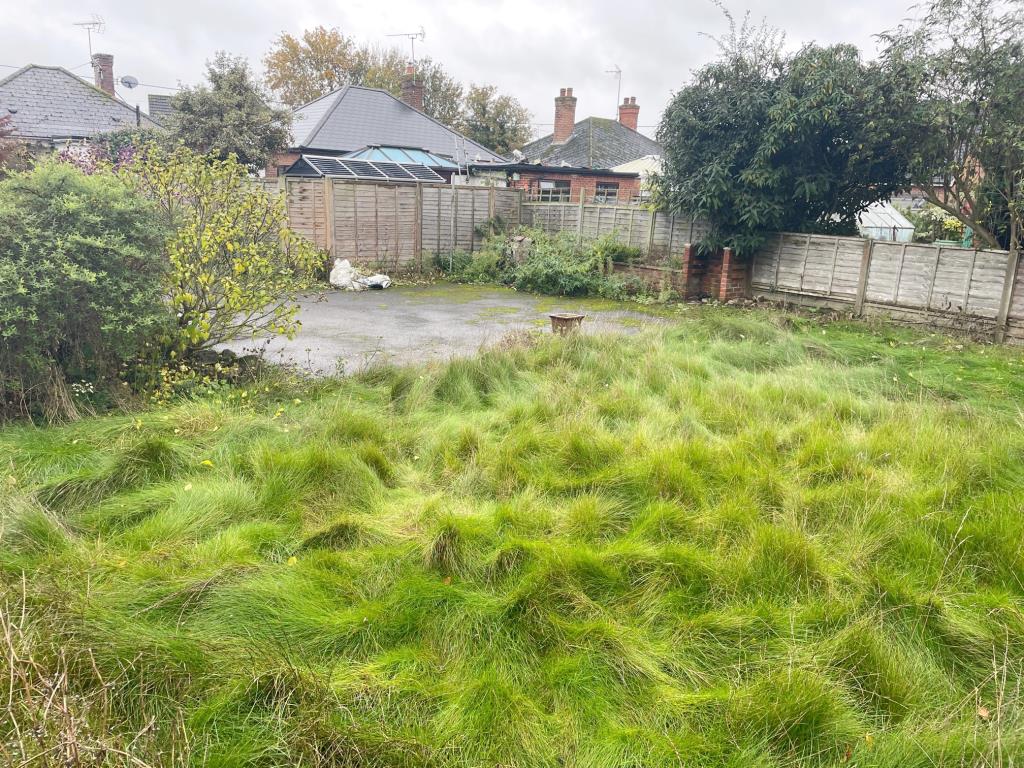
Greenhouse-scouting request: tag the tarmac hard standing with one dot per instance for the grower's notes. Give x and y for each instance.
(343, 332)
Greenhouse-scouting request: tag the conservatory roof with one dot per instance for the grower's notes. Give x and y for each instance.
(401, 155)
(365, 170)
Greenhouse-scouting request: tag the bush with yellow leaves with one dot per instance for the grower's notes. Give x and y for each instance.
(235, 269)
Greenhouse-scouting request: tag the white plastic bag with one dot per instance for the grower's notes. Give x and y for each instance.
(343, 276)
(374, 282)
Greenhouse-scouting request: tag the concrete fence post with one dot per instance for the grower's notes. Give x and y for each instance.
(862, 280)
(1009, 282)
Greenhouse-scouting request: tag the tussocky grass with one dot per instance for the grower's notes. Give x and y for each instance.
(738, 539)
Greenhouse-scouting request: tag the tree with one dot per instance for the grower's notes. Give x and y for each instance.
(12, 151)
(235, 269)
(964, 133)
(711, 132)
(498, 122)
(230, 115)
(81, 285)
(300, 70)
(761, 142)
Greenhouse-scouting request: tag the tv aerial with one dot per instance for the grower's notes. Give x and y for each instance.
(95, 24)
(413, 37)
(617, 72)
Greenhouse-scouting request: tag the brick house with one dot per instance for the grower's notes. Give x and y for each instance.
(578, 158)
(370, 123)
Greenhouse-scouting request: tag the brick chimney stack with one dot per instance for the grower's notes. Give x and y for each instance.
(629, 112)
(412, 88)
(565, 115)
(103, 72)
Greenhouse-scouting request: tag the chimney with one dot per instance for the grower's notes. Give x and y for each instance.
(412, 88)
(628, 112)
(103, 72)
(565, 116)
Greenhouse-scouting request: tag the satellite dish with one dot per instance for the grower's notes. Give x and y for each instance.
(129, 82)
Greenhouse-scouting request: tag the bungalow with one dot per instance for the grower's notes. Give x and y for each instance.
(358, 123)
(585, 158)
(50, 107)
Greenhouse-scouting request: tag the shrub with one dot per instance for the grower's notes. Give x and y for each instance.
(609, 249)
(533, 260)
(235, 268)
(80, 284)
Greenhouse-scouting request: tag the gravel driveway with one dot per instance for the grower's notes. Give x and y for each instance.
(348, 331)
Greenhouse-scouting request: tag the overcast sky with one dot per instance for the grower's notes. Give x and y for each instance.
(527, 48)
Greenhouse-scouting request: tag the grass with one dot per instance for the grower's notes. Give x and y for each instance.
(741, 539)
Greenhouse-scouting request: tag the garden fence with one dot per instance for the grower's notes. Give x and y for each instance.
(971, 288)
(404, 227)
(392, 227)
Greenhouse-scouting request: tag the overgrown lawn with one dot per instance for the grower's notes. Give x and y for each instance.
(744, 539)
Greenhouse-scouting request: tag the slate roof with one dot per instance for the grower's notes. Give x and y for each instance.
(52, 103)
(160, 108)
(354, 117)
(596, 142)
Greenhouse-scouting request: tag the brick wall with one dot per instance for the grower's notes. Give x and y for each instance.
(585, 183)
(280, 160)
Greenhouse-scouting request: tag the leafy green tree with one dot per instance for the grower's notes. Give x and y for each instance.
(81, 284)
(761, 142)
(964, 133)
(230, 115)
(235, 269)
(498, 122)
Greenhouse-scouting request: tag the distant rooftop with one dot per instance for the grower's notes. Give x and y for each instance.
(51, 103)
(596, 142)
(353, 118)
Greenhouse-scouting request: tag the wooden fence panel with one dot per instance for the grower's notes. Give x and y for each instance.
(948, 285)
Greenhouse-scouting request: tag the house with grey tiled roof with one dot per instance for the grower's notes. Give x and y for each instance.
(579, 158)
(352, 119)
(51, 106)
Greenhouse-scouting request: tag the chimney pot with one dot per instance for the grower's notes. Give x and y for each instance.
(629, 112)
(103, 72)
(565, 116)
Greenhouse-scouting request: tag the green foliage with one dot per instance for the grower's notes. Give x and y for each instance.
(230, 116)
(235, 268)
(12, 151)
(81, 282)
(730, 540)
(931, 223)
(761, 142)
(533, 260)
(498, 122)
(964, 131)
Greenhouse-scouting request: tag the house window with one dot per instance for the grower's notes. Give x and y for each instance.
(607, 192)
(553, 191)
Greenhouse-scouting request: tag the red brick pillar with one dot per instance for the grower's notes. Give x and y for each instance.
(733, 279)
(691, 269)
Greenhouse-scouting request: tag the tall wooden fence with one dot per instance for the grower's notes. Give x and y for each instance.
(660, 237)
(974, 289)
(396, 227)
